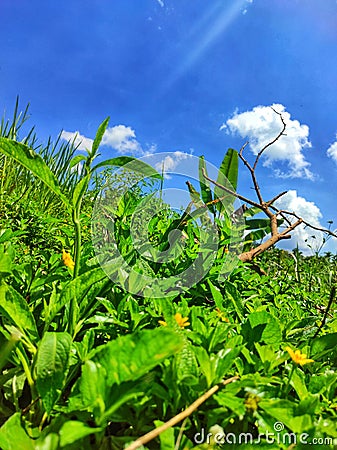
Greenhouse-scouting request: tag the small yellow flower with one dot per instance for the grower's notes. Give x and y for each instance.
(221, 315)
(67, 260)
(298, 357)
(181, 321)
(251, 402)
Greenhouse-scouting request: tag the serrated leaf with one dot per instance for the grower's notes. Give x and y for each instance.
(186, 363)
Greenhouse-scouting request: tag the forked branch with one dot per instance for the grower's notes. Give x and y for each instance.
(267, 207)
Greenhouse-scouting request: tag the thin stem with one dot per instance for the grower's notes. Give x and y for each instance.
(179, 417)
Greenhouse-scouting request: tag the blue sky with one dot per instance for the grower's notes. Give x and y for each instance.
(186, 76)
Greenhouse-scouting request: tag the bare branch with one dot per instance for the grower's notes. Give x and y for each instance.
(281, 133)
(179, 417)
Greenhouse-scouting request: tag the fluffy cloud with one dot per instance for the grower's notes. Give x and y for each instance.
(161, 3)
(81, 142)
(332, 151)
(302, 235)
(261, 125)
(119, 137)
(170, 162)
(123, 139)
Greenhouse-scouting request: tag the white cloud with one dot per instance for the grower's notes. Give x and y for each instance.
(119, 137)
(170, 162)
(123, 139)
(308, 211)
(261, 125)
(161, 3)
(81, 142)
(332, 151)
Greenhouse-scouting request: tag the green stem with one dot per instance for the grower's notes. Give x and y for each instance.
(26, 369)
(289, 379)
(78, 240)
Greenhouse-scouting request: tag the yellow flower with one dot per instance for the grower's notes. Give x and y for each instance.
(251, 402)
(298, 357)
(181, 321)
(221, 315)
(67, 260)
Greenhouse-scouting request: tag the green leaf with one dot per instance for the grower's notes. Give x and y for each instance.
(228, 177)
(13, 435)
(99, 135)
(52, 365)
(16, 309)
(206, 193)
(285, 411)
(262, 327)
(130, 357)
(80, 189)
(92, 386)
(75, 160)
(73, 430)
(78, 289)
(167, 440)
(133, 164)
(186, 363)
(34, 163)
(5, 263)
(323, 345)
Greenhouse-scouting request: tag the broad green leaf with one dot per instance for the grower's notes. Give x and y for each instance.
(73, 430)
(5, 263)
(167, 439)
(323, 345)
(206, 193)
(217, 295)
(133, 164)
(228, 177)
(77, 288)
(52, 365)
(262, 327)
(130, 357)
(99, 135)
(92, 386)
(285, 411)
(13, 436)
(16, 309)
(75, 160)
(226, 357)
(34, 163)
